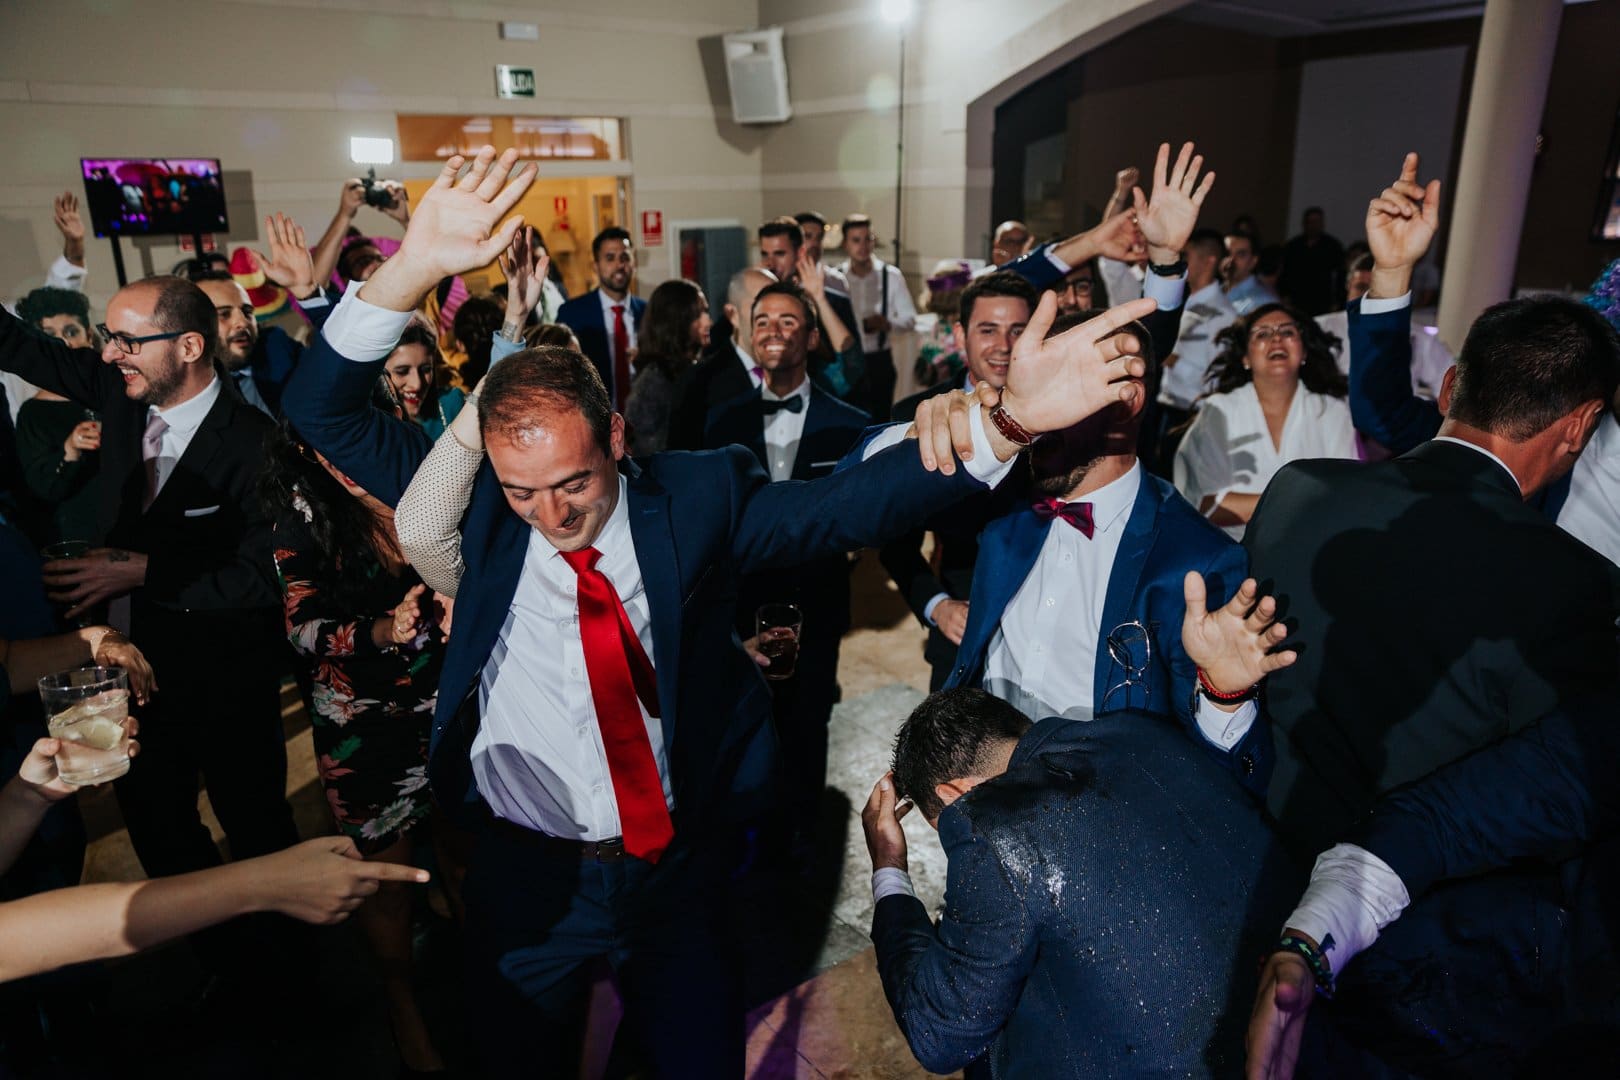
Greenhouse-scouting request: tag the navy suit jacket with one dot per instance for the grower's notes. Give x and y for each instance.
(1164, 538)
(698, 521)
(276, 357)
(1105, 900)
(583, 315)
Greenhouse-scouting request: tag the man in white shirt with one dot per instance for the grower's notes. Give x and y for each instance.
(1243, 287)
(1206, 314)
(883, 307)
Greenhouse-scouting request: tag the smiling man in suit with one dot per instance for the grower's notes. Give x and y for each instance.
(187, 563)
(607, 319)
(598, 718)
(797, 431)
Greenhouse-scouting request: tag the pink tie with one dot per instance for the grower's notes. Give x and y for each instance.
(151, 450)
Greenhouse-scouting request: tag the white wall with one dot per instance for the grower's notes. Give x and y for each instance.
(1358, 116)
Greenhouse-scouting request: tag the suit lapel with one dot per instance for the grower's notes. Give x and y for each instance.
(654, 540)
(1123, 579)
(738, 422)
(1007, 553)
(818, 419)
(201, 450)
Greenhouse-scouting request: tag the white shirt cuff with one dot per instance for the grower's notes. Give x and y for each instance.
(1052, 257)
(985, 467)
(317, 299)
(893, 435)
(363, 332)
(1378, 305)
(890, 881)
(66, 275)
(1169, 292)
(1225, 729)
(933, 602)
(1353, 895)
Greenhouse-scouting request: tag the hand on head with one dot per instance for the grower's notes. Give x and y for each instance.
(885, 839)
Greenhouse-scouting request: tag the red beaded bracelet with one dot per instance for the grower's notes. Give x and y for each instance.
(1220, 696)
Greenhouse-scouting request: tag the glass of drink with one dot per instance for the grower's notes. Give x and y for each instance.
(88, 709)
(778, 626)
(67, 549)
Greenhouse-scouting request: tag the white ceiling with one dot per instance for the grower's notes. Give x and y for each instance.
(1291, 18)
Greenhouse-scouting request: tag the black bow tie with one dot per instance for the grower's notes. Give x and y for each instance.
(792, 404)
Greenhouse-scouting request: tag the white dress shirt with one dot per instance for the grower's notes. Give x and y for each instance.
(866, 297)
(1352, 895)
(1207, 313)
(1124, 281)
(183, 420)
(783, 430)
(538, 757)
(1228, 448)
(1591, 514)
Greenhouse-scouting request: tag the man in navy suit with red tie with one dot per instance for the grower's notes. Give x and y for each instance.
(607, 319)
(598, 718)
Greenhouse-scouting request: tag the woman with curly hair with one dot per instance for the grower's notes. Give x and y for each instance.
(675, 330)
(1275, 394)
(359, 616)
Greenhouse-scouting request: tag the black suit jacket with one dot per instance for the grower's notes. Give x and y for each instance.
(819, 588)
(1434, 611)
(206, 541)
(713, 381)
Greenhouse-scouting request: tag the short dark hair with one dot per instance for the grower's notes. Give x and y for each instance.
(353, 248)
(950, 736)
(197, 277)
(47, 303)
(805, 217)
(1527, 363)
(995, 283)
(856, 221)
(525, 386)
(1207, 242)
(788, 288)
(1064, 323)
(612, 232)
(1362, 263)
(783, 226)
(184, 308)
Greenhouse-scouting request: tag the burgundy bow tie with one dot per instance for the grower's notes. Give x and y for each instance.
(1077, 514)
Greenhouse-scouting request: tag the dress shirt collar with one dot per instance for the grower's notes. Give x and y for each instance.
(749, 365)
(1210, 294)
(608, 304)
(185, 418)
(802, 390)
(615, 535)
(1478, 449)
(1113, 501)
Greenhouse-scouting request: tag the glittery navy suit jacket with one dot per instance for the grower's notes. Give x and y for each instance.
(1105, 901)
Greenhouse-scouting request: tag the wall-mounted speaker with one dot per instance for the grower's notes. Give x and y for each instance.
(756, 69)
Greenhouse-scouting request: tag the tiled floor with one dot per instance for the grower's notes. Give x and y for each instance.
(810, 963)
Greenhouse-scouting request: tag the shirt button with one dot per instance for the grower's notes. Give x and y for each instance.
(1050, 601)
(563, 624)
(1067, 557)
(573, 671)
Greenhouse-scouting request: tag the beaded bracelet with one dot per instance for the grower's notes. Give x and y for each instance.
(1223, 697)
(1321, 969)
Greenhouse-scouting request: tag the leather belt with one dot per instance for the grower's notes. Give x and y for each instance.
(600, 851)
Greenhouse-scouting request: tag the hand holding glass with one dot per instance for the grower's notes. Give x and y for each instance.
(88, 710)
(778, 626)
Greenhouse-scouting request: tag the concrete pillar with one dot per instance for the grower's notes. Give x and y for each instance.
(1516, 44)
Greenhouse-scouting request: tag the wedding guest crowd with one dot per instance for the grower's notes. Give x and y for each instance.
(1258, 631)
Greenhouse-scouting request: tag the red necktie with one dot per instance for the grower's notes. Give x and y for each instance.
(621, 358)
(1077, 514)
(620, 673)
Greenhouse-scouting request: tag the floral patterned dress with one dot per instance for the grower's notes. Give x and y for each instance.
(373, 708)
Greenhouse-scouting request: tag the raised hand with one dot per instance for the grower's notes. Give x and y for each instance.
(1401, 224)
(1168, 218)
(1126, 178)
(525, 265)
(1233, 644)
(1054, 383)
(1118, 238)
(812, 279)
(400, 208)
(65, 212)
(289, 263)
(457, 227)
(352, 198)
(1278, 1020)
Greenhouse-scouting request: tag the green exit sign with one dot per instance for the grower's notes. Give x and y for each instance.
(514, 82)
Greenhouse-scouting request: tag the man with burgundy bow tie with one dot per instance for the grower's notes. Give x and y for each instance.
(1077, 601)
(598, 718)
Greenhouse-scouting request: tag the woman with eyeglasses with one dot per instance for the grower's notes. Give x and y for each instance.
(1275, 394)
(370, 632)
